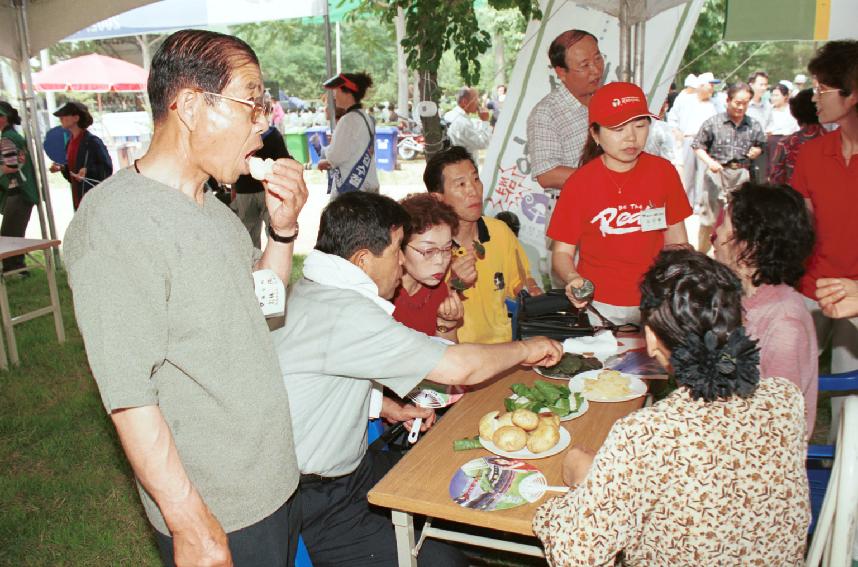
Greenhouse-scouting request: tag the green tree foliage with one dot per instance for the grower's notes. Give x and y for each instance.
(735, 61)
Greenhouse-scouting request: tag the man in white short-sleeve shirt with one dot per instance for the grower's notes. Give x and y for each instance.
(340, 339)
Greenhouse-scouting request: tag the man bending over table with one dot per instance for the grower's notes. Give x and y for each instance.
(339, 339)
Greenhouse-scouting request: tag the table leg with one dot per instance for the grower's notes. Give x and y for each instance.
(8, 329)
(55, 297)
(403, 524)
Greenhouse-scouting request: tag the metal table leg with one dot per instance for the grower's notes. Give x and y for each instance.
(8, 329)
(403, 524)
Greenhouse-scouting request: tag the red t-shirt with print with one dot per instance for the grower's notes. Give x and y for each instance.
(822, 175)
(599, 212)
(420, 311)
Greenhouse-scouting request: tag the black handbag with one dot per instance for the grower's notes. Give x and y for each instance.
(550, 315)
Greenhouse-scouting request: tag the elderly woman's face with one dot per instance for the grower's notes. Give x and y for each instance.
(428, 254)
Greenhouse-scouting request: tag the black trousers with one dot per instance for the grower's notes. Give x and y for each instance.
(16, 217)
(342, 529)
(270, 542)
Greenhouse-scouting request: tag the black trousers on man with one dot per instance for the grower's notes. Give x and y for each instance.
(342, 529)
(270, 542)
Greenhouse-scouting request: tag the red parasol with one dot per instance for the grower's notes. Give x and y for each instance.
(91, 73)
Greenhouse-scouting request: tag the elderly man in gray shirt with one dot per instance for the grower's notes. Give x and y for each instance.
(338, 340)
(161, 274)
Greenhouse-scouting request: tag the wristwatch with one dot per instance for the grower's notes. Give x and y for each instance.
(282, 239)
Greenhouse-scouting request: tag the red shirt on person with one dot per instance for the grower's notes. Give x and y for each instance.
(599, 211)
(822, 175)
(71, 152)
(420, 311)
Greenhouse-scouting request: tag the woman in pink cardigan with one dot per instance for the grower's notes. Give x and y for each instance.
(766, 236)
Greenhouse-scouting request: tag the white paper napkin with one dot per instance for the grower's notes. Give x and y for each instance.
(600, 345)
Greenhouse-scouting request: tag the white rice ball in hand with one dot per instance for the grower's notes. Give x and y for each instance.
(260, 168)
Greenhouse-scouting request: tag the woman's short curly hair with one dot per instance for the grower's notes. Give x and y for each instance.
(774, 229)
(425, 212)
(693, 304)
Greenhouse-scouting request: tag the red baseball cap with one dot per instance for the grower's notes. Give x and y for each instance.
(616, 103)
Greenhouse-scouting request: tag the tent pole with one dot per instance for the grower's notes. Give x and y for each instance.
(32, 128)
(625, 40)
(329, 63)
(339, 53)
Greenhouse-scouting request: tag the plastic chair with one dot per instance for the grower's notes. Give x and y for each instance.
(819, 456)
(835, 532)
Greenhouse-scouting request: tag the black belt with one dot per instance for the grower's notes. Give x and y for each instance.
(309, 479)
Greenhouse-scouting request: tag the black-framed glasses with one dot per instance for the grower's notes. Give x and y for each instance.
(433, 253)
(259, 106)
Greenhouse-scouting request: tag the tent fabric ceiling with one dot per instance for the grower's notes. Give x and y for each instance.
(638, 10)
(52, 20)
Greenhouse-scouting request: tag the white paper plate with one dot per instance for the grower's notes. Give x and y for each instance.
(585, 405)
(565, 440)
(636, 385)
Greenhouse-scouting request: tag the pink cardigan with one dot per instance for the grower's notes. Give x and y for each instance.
(776, 316)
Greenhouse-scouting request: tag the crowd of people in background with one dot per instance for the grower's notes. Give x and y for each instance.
(236, 450)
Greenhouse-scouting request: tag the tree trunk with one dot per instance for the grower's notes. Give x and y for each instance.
(500, 59)
(432, 135)
(401, 65)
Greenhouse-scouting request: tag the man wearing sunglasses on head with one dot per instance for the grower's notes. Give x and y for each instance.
(161, 274)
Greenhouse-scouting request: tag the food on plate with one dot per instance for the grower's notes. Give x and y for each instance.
(260, 168)
(543, 438)
(543, 396)
(512, 431)
(510, 438)
(570, 365)
(525, 419)
(608, 384)
(549, 418)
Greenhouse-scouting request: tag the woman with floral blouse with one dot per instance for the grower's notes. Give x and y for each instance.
(711, 475)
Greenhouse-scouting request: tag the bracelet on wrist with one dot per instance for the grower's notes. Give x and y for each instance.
(282, 239)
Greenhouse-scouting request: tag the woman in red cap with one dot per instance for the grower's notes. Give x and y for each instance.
(350, 157)
(618, 210)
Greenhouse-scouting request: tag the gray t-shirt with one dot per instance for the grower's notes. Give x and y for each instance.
(336, 342)
(164, 299)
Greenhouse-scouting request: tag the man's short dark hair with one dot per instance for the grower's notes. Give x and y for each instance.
(359, 221)
(433, 176)
(753, 76)
(195, 59)
(802, 108)
(736, 88)
(558, 47)
(836, 65)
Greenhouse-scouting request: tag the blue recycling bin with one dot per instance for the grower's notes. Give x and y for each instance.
(385, 147)
(317, 138)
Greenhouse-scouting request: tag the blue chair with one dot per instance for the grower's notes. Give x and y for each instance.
(819, 457)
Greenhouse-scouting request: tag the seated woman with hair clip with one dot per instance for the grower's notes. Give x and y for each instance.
(711, 475)
(765, 237)
(423, 300)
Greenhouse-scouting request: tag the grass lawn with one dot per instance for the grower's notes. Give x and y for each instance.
(66, 491)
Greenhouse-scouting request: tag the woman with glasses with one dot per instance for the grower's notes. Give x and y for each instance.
(350, 157)
(423, 301)
(826, 174)
(618, 210)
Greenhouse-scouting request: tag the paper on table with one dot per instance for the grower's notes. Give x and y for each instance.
(600, 345)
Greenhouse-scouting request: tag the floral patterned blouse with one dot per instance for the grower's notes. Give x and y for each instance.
(692, 483)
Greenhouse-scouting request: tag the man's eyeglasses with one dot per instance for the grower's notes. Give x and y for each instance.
(258, 107)
(817, 90)
(594, 64)
(433, 253)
